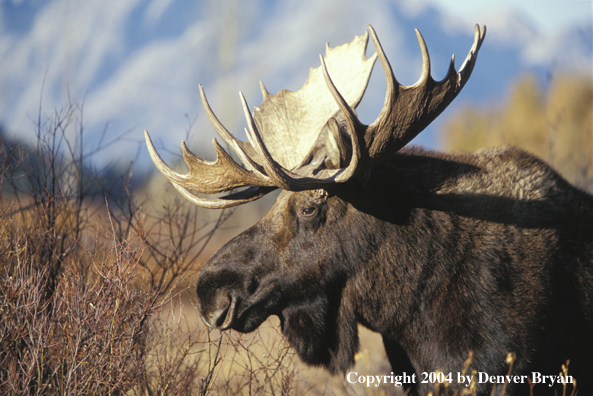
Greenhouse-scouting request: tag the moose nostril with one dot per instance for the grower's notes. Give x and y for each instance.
(253, 285)
(222, 312)
(221, 316)
(216, 312)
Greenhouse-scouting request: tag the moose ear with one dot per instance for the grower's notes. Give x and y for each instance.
(332, 149)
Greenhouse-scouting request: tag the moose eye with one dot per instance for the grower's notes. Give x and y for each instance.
(308, 211)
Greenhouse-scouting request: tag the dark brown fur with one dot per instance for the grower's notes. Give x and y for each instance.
(490, 252)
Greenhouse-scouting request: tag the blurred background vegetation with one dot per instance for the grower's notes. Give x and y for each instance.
(552, 120)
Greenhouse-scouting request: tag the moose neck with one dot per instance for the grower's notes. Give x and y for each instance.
(402, 244)
(404, 258)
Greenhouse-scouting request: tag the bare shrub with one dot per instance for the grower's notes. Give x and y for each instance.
(87, 279)
(84, 337)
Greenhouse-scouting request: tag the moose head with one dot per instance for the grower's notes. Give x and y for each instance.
(441, 254)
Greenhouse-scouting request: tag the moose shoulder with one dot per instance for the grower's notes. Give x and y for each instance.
(490, 252)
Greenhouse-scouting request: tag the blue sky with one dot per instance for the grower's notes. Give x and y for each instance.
(552, 15)
(137, 64)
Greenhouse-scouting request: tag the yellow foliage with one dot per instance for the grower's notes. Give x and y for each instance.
(555, 124)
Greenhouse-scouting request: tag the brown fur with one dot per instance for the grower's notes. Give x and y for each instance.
(441, 254)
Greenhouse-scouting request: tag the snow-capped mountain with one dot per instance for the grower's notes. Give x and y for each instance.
(136, 65)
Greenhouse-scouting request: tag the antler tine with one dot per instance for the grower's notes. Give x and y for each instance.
(228, 201)
(451, 71)
(391, 90)
(272, 168)
(222, 131)
(229, 138)
(264, 91)
(355, 128)
(165, 169)
(468, 65)
(425, 59)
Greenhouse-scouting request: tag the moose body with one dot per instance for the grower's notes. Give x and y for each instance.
(489, 252)
(443, 255)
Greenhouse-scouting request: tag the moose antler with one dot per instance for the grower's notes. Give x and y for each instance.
(312, 138)
(408, 110)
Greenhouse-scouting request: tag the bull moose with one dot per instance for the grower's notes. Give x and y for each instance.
(442, 254)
